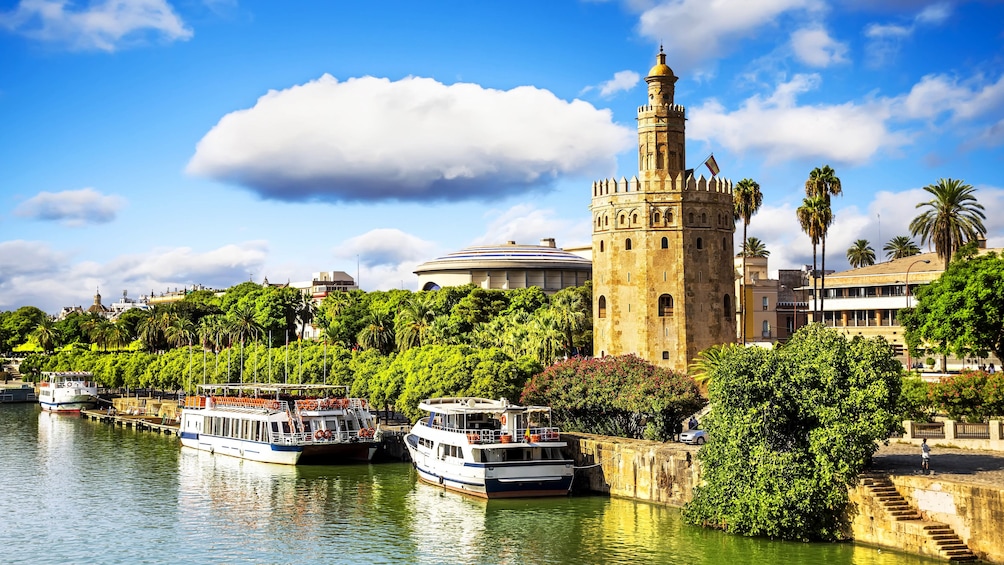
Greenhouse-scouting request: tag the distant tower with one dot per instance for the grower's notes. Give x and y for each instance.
(663, 273)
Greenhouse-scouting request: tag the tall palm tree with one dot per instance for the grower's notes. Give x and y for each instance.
(747, 198)
(568, 309)
(952, 219)
(861, 254)
(813, 216)
(181, 332)
(413, 321)
(46, 334)
(377, 332)
(243, 324)
(899, 247)
(823, 181)
(753, 247)
(305, 311)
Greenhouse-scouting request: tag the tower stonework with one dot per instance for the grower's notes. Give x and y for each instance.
(663, 273)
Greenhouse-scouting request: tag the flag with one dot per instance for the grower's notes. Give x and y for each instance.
(712, 165)
(526, 434)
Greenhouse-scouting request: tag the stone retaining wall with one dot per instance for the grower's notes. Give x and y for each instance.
(644, 470)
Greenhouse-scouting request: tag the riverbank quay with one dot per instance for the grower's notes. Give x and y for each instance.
(156, 424)
(956, 513)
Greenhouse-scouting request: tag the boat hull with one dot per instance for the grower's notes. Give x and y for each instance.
(74, 403)
(491, 488)
(254, 451)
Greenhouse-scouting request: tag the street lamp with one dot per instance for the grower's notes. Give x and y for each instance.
(909, 363)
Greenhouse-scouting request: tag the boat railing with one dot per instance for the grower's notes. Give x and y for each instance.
(530, 435)
(237, 402)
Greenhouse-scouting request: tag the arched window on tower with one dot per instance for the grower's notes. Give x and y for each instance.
(627, 244)
(704, 219)
(665, 243)
(724, 244)
(634, 218)
(601, 246)
(656, 218)
(700, 243)
(599, 222)
(727, 303)
(606, 221)
(665, 305)
(690, 218)
(669, 217)
(601, 307)
(622, 219)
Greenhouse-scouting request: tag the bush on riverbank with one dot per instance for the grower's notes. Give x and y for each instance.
(616, 395)
(790, 429)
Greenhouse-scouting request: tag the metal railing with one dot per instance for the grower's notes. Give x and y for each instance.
(965, 430)
(934, 430)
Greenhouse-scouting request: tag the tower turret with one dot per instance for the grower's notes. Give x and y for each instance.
(661, 138)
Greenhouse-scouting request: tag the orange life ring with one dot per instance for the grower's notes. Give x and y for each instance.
(502, 419)
(318, 434)
(327, 434)
(274, 405)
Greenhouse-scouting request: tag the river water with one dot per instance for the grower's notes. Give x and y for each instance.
(77, 491)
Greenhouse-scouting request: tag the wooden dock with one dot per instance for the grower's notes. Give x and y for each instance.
(140, 422)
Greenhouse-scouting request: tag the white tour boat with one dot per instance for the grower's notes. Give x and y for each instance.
(275, 423)
(489, 448)
(67, 391)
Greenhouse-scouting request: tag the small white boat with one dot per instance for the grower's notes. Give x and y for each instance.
(286, 424)
(489, 448)
(67, 391)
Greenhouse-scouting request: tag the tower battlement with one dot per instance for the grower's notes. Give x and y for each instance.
(672, 109)
(681, 182)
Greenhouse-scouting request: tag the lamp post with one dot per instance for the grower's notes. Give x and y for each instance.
(909, 363)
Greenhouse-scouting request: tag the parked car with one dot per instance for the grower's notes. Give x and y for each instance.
(694, 437)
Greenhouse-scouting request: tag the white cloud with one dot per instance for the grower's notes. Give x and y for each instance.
(699, 30)
(972, 99)
(526, 224)
(412, 139)
(386, 247)
(103, 24)
(622, 81)
(779, 129)
(71, 207)
(32, 273)
(814, 46)
(884, 39)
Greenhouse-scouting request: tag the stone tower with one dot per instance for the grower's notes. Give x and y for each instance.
(663, 274)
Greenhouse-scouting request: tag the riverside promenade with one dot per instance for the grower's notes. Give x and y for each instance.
(970, 466)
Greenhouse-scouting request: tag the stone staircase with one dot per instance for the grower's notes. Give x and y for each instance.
(942, 536)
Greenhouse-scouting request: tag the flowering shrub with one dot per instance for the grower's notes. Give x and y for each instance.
(617, 395)
(973, 396)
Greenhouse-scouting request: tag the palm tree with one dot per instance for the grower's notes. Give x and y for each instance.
(377, 332)
(569, 310)
(243, 324)
(823, 182)
(413, 321)
(305, 310)
(899, 247)
(753, 247)
(953, 218)
(814, 216)
(707, 361)
(180, 332)
(861, 254)
(46, 334)
(747, 198)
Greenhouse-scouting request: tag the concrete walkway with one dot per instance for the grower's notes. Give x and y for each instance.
(957, 465)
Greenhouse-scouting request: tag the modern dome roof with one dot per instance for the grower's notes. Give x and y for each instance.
(507, 256)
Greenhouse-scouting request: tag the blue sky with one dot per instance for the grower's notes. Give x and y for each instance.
(149, 145)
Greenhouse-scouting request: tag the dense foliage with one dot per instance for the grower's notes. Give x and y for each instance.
(973, 396)
(790, 429)
(617, 395)
(962, 312)
(915, 400)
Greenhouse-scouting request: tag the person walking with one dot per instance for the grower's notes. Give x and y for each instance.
(692, 424)
(925, 457)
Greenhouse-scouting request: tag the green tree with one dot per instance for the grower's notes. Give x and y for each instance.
(615, 395)
(413, 321)
(861, 254)
(747, 199)
(952, 218)
(707, 362)
(46, 335)
(16, 326)
(814, 216)
(377, 332)
(791, 429)
(823, 182)
(962, 312)
(899, 247)
(753, 247)
(572, 313)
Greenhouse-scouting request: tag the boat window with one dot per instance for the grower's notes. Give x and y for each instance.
(306, 426)
(479, 455)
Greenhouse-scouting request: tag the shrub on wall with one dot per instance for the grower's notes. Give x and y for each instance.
(973, 396)
(789, 430)
(617, 395)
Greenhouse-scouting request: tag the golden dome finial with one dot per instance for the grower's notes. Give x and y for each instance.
(660, 68)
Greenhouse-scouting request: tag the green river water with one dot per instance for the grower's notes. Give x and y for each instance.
(77, 491)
